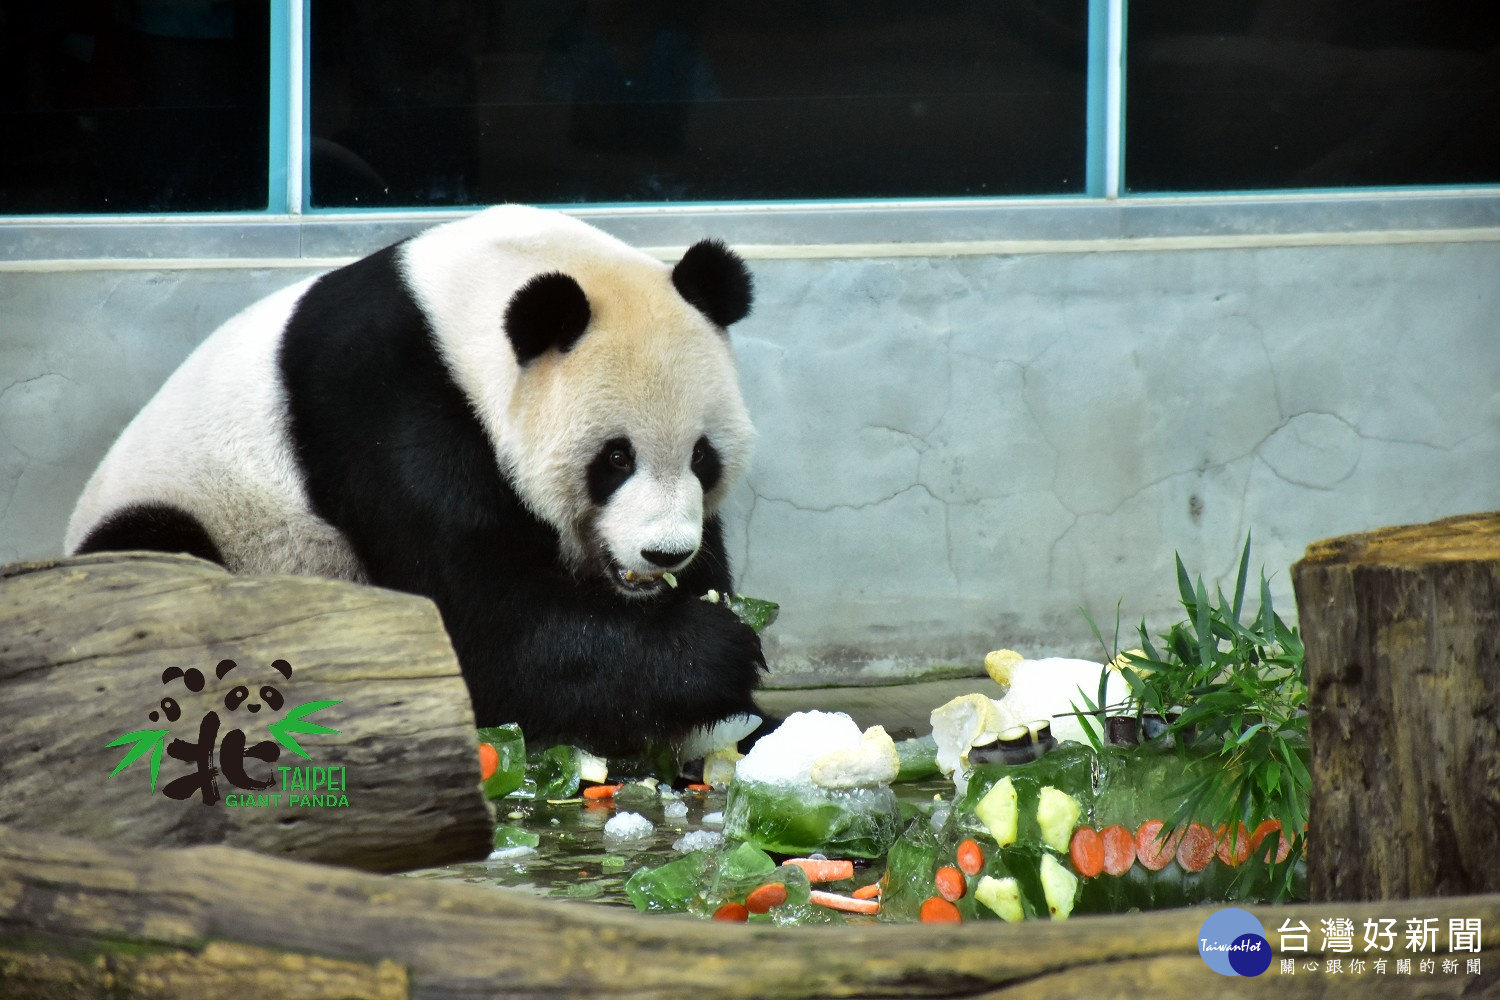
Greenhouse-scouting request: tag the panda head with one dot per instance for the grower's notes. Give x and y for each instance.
(628, 426)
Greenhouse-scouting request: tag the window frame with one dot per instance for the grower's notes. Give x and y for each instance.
(1105, 216)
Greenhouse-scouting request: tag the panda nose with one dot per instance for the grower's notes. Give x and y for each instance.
(666, 560)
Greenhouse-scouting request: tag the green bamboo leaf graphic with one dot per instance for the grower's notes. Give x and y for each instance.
(144, 740)
(295, 721)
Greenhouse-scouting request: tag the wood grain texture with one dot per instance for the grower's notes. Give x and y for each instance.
(83, 646)
(79, 904)
(1402, 628)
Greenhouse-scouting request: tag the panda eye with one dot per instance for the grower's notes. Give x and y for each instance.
(236, 697)
(272, 698)
(620, 458)
(700, 452)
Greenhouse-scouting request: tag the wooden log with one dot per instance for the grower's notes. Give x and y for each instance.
(1402, 628)
(84, 644)
(80, 919)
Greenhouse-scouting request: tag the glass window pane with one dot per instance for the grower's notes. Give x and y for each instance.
(416, 102)
(134, 105)
(1227, 95)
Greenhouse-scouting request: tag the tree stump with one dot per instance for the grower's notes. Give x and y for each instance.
(1402, 628)
(79, 919)
(95, 647)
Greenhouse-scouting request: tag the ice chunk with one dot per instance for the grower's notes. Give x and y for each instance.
(713, 819)
(698, 840)
(627, 826)
(675, 810)
(785, 756)
(843, 822)
(672, 886)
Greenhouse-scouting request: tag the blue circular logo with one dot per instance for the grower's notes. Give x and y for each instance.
(1233, 943)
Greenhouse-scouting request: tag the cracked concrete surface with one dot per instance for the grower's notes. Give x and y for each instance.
(957, 454)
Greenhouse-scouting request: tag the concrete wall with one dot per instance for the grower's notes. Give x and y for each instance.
(956, 452)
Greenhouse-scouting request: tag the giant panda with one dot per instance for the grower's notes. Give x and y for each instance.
(515, 415)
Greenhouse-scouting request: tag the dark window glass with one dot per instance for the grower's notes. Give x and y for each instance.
(143, 106)
(417, 102)
(1229, 94)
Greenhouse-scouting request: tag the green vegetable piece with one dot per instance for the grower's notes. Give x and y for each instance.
(918, 759)
(511, 747)
(752, 611)
(514, 836)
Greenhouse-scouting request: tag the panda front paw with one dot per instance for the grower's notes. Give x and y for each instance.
(726, 653)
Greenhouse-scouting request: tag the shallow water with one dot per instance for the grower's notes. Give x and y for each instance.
(573, 860)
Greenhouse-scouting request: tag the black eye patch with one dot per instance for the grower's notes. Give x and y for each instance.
(707, 465)
(610, 467)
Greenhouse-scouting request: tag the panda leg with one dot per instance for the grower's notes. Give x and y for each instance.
(155, 527)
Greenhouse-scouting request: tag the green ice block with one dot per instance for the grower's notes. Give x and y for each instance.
(845, 822)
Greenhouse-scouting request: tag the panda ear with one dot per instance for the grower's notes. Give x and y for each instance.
(549, 311)
(715, 280)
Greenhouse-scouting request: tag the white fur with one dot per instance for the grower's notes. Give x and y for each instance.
(651, 368)
(213, 442)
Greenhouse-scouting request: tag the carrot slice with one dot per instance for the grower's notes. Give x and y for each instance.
(761, 900)
(1087, 852)
(489, 761)
(732, 912)
(699, 786)
(1119, 849)
(1152, 850)
(1233, 849)
(950, 883)
(937, 910)
(600, 791)
(871, 891)
(1196, 849)
(1266, 828)
(818, 870)
(970, 857)
(848, 904)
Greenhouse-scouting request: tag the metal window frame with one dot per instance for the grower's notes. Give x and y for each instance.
(289, 233)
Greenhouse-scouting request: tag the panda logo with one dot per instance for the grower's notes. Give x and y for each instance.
(515, 415)
(239, 695)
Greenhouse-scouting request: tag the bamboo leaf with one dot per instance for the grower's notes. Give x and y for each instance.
(1239, 585)
(295, 721)
(144, 740)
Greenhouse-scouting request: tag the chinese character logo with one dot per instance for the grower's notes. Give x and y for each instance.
(234, 750)
(1233, 943)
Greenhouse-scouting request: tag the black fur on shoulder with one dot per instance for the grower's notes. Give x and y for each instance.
(549, 311)
(715, 280)
(155, 527)
(393, 457)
